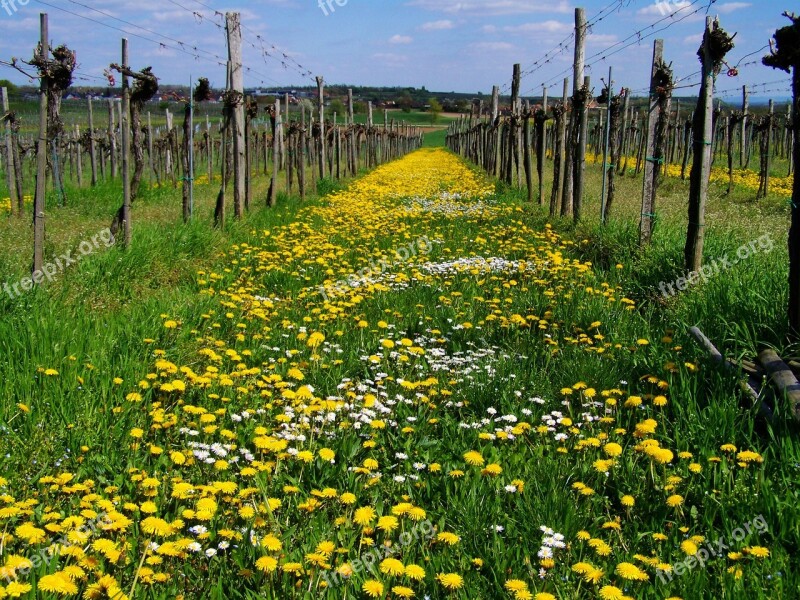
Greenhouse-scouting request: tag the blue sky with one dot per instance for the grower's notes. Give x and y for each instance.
(445, 45)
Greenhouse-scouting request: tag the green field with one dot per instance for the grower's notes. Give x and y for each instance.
(248, 424)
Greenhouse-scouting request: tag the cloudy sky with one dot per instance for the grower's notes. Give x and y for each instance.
(445, 45)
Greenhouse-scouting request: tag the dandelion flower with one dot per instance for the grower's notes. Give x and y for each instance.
(450, 581)
(372, 588)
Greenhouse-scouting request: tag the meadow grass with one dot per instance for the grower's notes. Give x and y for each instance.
(487, 398)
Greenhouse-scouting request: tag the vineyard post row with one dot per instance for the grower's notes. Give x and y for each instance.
(247, 142)
(502, 144)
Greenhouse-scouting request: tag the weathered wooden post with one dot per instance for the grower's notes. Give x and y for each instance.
(321, 99)
(112, 139)
(541, 143)
(785, 55)
(9, 156)
(41, 154)
(658, 113)
(126, 149)
(716, 43)
(579, 167)
(234, 31)
(745, 116)
(92, 148)
(606, 146)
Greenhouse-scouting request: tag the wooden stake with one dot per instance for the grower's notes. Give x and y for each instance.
(653, 156)
(9, 156)
(92, 149)
(234, 31)
(321, 100)
(41, 155)
(126, 149)
(701, 165)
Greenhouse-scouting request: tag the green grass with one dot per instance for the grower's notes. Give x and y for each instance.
(92, 323)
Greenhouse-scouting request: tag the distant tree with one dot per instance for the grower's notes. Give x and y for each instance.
(435, 109)
(337, 106)
(405, 102)
(360, 108)
(12, 89)
(307, 104)
(461, 106)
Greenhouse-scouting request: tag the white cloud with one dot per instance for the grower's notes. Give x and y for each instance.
(729, 7)
(437, 25)
(493, 7)
(489, 29)
(390, 58)
(541, 27)
(664, 8)
(401, 39)
(493, 46)
(601, 39)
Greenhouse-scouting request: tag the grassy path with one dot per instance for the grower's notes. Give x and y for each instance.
(410, 388)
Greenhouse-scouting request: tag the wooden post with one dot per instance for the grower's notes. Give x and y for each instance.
(606, 146)
(112, 138)
(579, 168)
(126, 148)
(41, 155)
(209, 151)
(511, 148)
(11, 178)
(527, 151)
(301, 173)
(234, 31)
(768, 158)
(541, 146)
(153, 170)
(651, 165)
(351, 141)
(282, 138)
(92, 149)
(276, 157)
(78, 156)
(794, 230)
(561, 149)
(322, 142)
(701, 164)
(573, 131)
(496, 129)
(743, 140)
(168, 166)
(624, 140)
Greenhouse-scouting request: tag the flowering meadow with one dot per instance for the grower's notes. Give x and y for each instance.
(406, 389)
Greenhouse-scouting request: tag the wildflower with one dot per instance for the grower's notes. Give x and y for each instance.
(610, 592)
(474, 458)
(392, 566)
(372, 588)
(415, 572)
(266, 564)
(628, 570)
(450, 581)
(675, 500)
